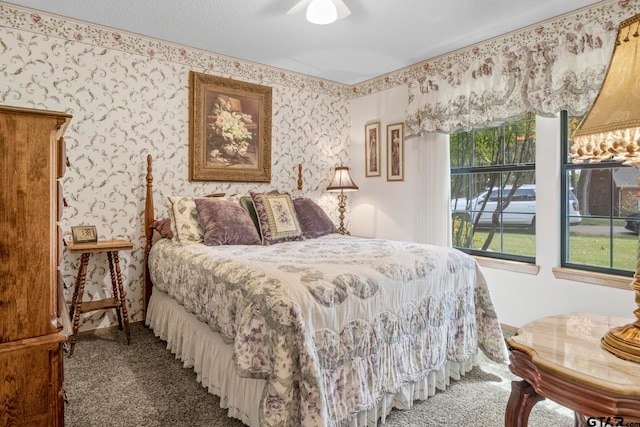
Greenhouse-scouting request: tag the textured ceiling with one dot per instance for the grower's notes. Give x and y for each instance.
(378, 37)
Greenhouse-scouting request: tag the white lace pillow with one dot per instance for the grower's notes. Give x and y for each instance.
(172, 220)
(184, 222)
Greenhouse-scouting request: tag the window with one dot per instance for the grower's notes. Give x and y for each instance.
(493, 192)
(602, 196)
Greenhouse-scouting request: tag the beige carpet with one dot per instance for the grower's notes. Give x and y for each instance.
(108, 383)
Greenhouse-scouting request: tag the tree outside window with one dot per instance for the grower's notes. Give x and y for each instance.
(493, 190)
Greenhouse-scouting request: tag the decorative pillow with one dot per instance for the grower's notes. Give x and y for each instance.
(185, 216)
(277, 217)
(172, 221)
(247, 203)
(163, 226)
(313, 220)
(225, 223)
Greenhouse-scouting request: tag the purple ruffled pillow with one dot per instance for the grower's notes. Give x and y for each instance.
(313, 220)
(225, 222)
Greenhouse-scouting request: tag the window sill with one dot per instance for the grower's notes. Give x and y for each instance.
(593, 278)
(501, 264)
(600, 279)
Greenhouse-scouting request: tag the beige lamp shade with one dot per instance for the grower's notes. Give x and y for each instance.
(341, 180)
(611, 128)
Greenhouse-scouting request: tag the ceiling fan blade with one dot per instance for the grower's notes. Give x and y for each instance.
(342, 9)
(298, 7)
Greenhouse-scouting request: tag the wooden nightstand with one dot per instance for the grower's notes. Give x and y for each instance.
(117, 301)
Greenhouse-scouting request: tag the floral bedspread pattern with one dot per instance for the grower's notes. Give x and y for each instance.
(333, 323)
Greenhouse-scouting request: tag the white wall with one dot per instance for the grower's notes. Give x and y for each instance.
(381, 208)
(388, 210)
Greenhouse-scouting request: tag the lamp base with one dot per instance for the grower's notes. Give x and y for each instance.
(342, 204)
(624, 341)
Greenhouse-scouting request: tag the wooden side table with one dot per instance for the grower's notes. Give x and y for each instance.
(560, 358)
(117, 301)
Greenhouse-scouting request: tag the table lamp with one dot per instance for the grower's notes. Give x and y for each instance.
(342, 182)
(611, 130)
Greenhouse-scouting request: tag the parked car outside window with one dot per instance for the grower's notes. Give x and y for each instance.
(520, 212)
(633, 222)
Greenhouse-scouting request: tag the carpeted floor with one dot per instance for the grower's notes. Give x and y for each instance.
(108, 383)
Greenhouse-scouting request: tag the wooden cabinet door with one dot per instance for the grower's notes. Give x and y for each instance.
(28, 222)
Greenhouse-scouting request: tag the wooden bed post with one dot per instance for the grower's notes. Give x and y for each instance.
(300, 177)
(149, 217)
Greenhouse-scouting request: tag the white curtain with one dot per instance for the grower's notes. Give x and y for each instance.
(546, 68)
(433, 190)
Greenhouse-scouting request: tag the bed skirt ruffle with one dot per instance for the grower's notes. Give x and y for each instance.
(202, 349)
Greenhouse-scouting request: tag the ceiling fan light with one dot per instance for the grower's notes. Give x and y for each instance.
(321, 12)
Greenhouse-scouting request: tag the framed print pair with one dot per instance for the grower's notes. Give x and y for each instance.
(394, 151)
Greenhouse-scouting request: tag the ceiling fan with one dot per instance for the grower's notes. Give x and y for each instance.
(321, 11)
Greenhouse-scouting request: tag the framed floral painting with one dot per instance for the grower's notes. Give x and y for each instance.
(229, 130)
(372, 149)
(395, 152)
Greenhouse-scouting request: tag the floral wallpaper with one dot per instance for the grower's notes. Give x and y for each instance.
(129, 98)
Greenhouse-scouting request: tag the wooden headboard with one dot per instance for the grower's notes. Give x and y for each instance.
(149, 218)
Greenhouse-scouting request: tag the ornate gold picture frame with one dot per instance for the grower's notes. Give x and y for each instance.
(395, 152)
(229, 130)
(372, 149)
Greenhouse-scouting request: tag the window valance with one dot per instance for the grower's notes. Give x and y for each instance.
(543, 69)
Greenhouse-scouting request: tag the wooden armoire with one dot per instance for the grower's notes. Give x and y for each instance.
(32, 159)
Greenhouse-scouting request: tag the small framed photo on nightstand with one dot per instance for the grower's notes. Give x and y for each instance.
(84, 234)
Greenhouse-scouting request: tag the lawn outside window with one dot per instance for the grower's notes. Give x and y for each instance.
(493, 201)
(606, 239)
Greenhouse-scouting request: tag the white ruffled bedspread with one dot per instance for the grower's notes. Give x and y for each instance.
(333, 324)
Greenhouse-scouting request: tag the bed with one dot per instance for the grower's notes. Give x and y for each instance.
(323, 330)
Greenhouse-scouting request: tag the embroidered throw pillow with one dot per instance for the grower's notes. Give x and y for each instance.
(313, 220)
(225, 223)
(276, 217)
(247, 203)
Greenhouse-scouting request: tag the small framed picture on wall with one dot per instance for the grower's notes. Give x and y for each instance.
(395, 152)
(372, 149)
